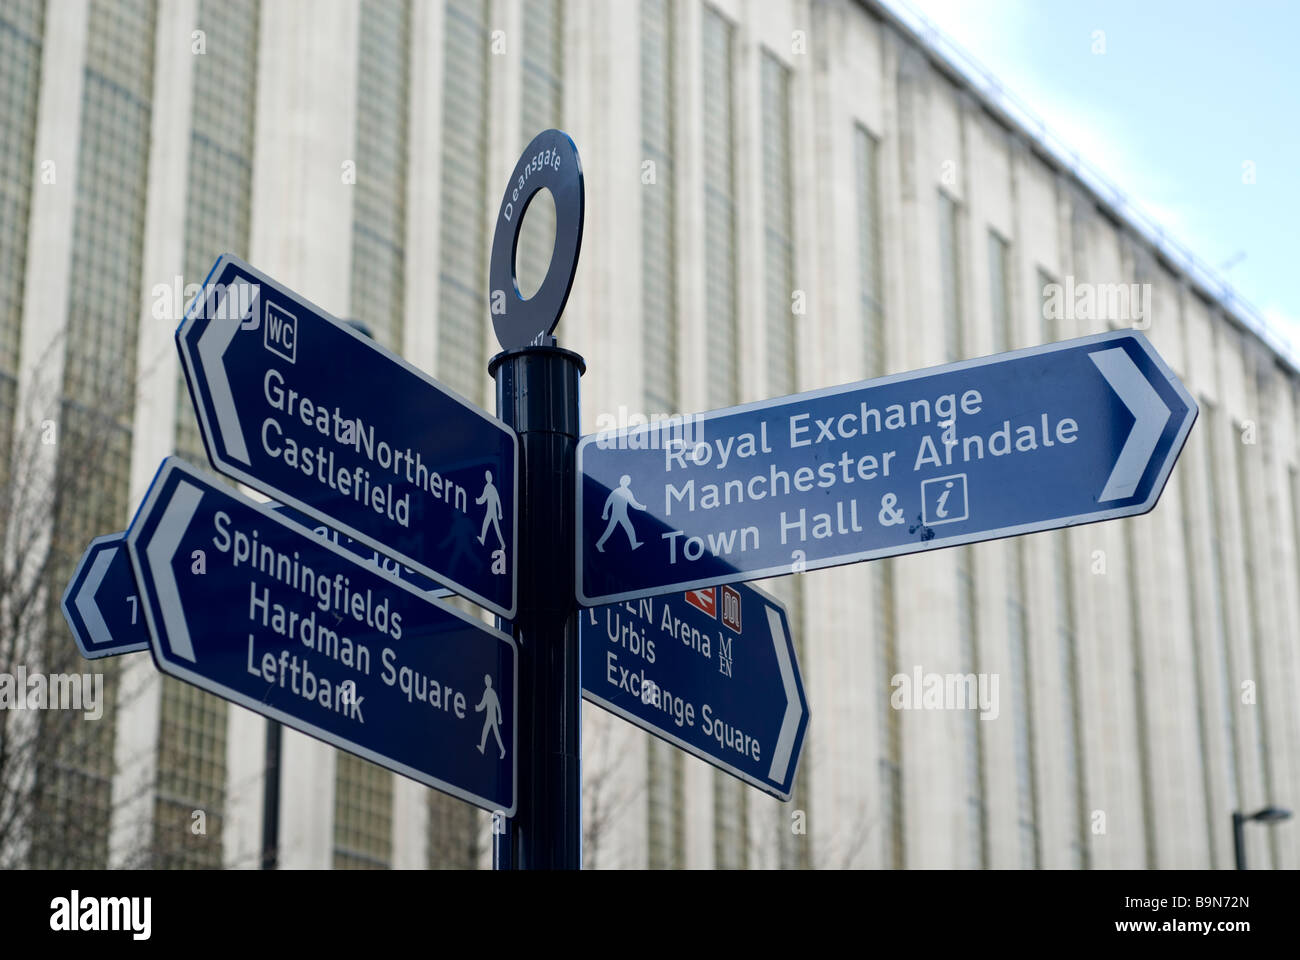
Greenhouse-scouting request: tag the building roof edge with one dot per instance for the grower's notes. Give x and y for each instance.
(945, 54)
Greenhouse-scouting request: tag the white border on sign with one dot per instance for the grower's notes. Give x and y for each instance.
(998, 533)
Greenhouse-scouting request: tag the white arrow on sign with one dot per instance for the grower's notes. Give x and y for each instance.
(1150, 416)
(793, 710)
(162, 548)
(87, 606)
(214, 343)
(100, 625)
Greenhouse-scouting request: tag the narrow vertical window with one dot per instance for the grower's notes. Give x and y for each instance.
(866, 150)
(976, 847)
(778, 243)
(1200, 642)
(719, 212)
(1215, 509)
(379, 208)
(462, 363)
(891, 735)
(1068, 658)
(1051, 307)
(1000, 292)
(1022, 707)
(950, 275)
(1246, 498)
(541, 101)
(22, 28)
(658, 196)
(363, 815)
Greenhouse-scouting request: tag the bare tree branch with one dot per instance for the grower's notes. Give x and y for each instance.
(56, 766)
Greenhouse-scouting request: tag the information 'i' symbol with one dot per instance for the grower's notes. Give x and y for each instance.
(942, 509)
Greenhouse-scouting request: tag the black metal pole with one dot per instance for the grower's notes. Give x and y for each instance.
(538, 394)
(1239, 838)
(271, 798)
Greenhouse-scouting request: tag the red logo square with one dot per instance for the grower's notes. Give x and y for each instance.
(703, 600)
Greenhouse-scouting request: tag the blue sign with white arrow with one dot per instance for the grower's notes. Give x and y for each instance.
(255, 609)
(103, 611)
(101, 604)
(317, 416)
(1036, 439)
(712, 671)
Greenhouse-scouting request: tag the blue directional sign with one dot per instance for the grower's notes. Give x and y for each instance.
(712, 671)
(100, 603)
(248, 606)
(317, 416)
(1048, 437)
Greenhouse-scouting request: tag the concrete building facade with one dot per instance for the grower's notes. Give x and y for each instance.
(781, 195)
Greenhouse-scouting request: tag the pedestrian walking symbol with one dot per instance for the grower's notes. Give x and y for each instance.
(492, 518)
(492, 721)
(490, 497)
(620, 498)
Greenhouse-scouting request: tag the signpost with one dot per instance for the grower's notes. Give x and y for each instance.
(712, 671)
(317, 416)
(1037, 439)
(537, 394)
(321, 611)
(100, 603)
(256, 610)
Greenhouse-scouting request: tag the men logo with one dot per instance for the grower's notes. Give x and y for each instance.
(703, 600)
(731, 608)
(280, 332)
